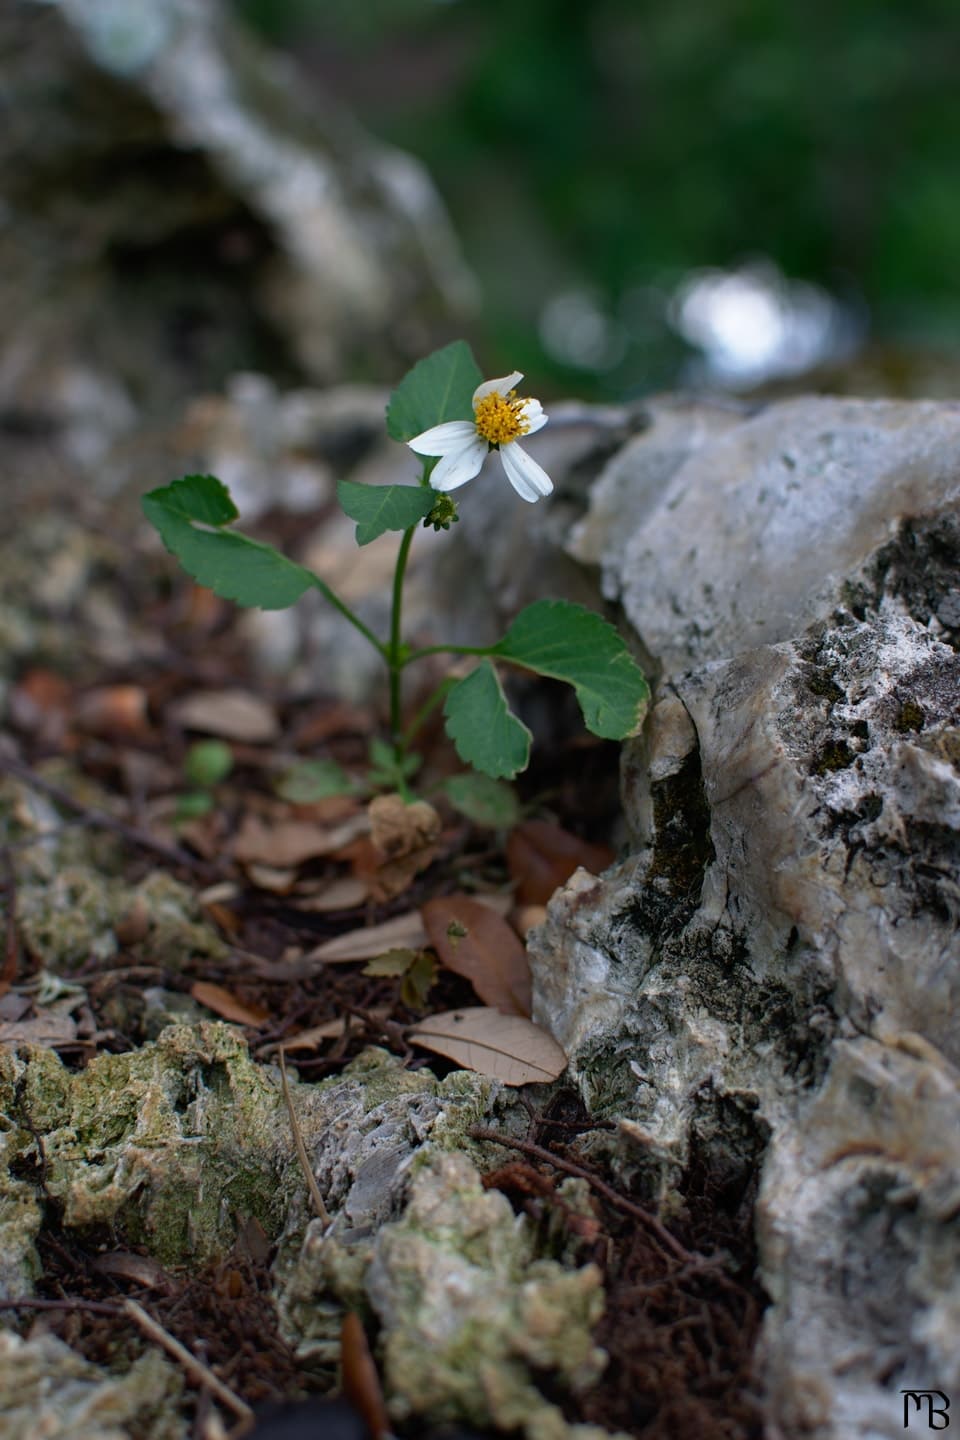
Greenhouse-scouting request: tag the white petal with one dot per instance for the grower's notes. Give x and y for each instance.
(528, 478)
(444, 439)
(533, 417)
(503, 386)
(459, 466)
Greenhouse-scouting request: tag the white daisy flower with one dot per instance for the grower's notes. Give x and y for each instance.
(499, 420)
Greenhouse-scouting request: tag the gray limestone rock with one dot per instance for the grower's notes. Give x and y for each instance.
(788, 915)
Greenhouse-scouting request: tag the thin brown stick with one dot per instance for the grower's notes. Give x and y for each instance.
(69, 1302)
(537, 1152)
(199, 1372)
(302, 1155)
(100, 820)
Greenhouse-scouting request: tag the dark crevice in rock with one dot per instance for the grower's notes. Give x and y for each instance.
(682, 851)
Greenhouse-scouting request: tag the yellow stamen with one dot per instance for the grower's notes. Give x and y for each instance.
(500, 418)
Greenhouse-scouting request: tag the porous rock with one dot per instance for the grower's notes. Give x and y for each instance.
(781, 942)
(50, 1391)
(470, 1314)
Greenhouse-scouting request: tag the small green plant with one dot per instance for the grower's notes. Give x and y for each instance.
(205, 764)
(451, 419)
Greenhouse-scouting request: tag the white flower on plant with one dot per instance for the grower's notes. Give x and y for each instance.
(499, 420)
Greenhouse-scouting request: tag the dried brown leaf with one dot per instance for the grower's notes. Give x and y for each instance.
(48, 1029)
(228, 714)
(225, 1004)
(403, 931)
(346, 892)
(543, 856)
(403, 839)
(361, 1383)
(474, 941)
(504, 1047)
(289, 843)
(114, 710)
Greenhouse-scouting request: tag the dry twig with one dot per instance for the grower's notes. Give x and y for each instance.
(302, 1156)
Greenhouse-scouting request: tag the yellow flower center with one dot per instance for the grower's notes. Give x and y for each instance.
(500, 418)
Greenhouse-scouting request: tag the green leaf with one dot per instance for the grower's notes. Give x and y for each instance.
(207, 762)
(378, 508)
(486, 733)
(483, 800)
(386, 771)
(227, 563)
(313, 780)
(570, 642)
(418, 969)
(437, 389)
(192, 804)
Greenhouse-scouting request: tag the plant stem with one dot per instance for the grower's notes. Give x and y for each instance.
(428, 705)
(395, 660)
(348, 614)
(449, 650)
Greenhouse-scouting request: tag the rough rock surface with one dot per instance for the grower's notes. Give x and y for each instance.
(778, 960)
(48, 1390)
(180, 1142)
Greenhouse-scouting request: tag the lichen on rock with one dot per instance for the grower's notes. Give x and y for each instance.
(49, 1390)
(469, 1314)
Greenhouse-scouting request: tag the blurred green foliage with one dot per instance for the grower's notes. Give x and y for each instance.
(612, 147)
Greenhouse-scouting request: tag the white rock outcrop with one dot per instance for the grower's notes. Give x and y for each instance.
(777, 964)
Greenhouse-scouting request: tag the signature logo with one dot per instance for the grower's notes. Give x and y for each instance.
(914, 1403)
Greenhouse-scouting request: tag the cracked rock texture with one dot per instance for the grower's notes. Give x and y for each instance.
(772, 975)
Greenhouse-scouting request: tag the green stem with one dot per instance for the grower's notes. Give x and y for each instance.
(395, 660)
(448, 650)
(432, 701)
(348, 614)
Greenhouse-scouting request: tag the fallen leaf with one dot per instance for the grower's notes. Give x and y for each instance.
(329, 1030)
(417, 969)
(543, 856)
(229, 714)
(48, 1029)
(404, 839)
(528, 917)
(474, 941)
(226, 1005)
(270, 877)
(402, 932)
(134, 924)
(361, 1383)
(113, 710)
(502, 1047)
(39, 703)
(140, 1270)
(346, 892)
(288, 843)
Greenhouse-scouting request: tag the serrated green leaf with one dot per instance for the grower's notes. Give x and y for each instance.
(379, 508)
(438, 389)
(486, 733)
(483, 800)
(189, 515)
(314, 780)
(571, 643)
